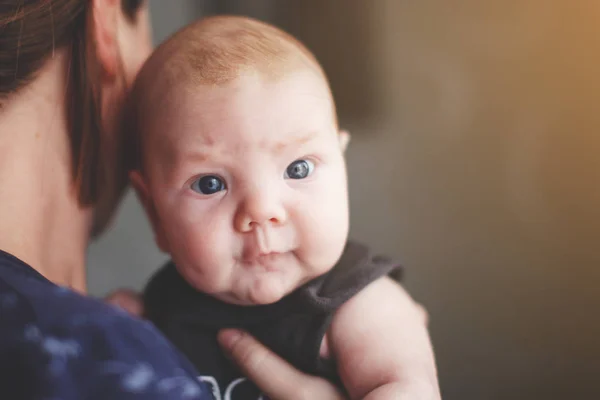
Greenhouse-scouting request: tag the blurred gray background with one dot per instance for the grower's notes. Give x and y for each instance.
(475, 159)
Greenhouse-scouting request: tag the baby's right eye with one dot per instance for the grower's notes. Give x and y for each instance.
(208, 184)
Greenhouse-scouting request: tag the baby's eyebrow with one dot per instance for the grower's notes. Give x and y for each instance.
(296, 141)
(197, 156)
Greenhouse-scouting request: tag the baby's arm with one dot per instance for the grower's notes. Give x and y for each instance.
(381, 344)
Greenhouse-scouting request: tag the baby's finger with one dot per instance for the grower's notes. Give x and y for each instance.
(128, 300)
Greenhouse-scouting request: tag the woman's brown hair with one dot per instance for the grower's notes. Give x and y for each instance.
(30, 32)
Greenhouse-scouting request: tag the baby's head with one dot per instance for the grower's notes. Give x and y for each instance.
(241, 166)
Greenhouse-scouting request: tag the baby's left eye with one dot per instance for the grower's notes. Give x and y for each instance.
(299, 169)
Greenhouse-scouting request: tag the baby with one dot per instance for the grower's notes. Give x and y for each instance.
(241, 171)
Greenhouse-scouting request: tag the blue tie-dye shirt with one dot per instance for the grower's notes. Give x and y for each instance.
(56, 344)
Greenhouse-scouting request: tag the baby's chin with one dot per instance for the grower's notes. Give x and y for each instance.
(261, 291)
(267, 291)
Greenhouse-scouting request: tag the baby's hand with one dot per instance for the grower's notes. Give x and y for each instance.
(127, 299)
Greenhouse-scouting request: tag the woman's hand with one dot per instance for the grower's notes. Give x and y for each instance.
(274, 376)
(277, 378)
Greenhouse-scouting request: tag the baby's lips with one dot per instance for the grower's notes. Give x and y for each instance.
(257, 256)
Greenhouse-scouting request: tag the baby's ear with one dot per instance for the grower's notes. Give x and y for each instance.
(142, 190)
(344, 139)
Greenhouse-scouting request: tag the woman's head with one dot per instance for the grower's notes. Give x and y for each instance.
(106, 42)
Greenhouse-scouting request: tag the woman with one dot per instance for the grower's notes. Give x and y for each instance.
(66, 67)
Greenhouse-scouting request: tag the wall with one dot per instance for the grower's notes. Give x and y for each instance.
(483, 175)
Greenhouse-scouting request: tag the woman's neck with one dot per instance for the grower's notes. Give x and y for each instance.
(41, 221)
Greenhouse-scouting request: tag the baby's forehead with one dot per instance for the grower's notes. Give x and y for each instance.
(242, 114)
(169, 80)
(252, 92)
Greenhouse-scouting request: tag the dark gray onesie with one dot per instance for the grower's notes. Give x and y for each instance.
(293, 327)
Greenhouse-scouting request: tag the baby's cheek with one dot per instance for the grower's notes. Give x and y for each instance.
(206, 243)
(329, 249)
(199, 244)
(198, 257)
(330, 215)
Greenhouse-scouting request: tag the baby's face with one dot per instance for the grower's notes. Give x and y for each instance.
(247, 186)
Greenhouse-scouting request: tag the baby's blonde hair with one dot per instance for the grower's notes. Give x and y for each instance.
(216, 50)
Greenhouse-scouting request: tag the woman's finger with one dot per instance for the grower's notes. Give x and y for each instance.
(273, 375)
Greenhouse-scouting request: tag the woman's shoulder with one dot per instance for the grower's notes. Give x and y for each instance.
(56, 343)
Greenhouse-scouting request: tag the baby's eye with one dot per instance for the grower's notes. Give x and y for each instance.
(208, 184)
(299, 169)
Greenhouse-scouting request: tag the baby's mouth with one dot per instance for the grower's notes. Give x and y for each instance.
(267, 260)
(261, 256)
(271, 255)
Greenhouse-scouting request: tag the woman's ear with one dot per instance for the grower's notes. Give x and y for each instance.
(141, 189)
(104, 21)
(344, 139)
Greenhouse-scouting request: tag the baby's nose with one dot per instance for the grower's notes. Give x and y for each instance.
(260, 210)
